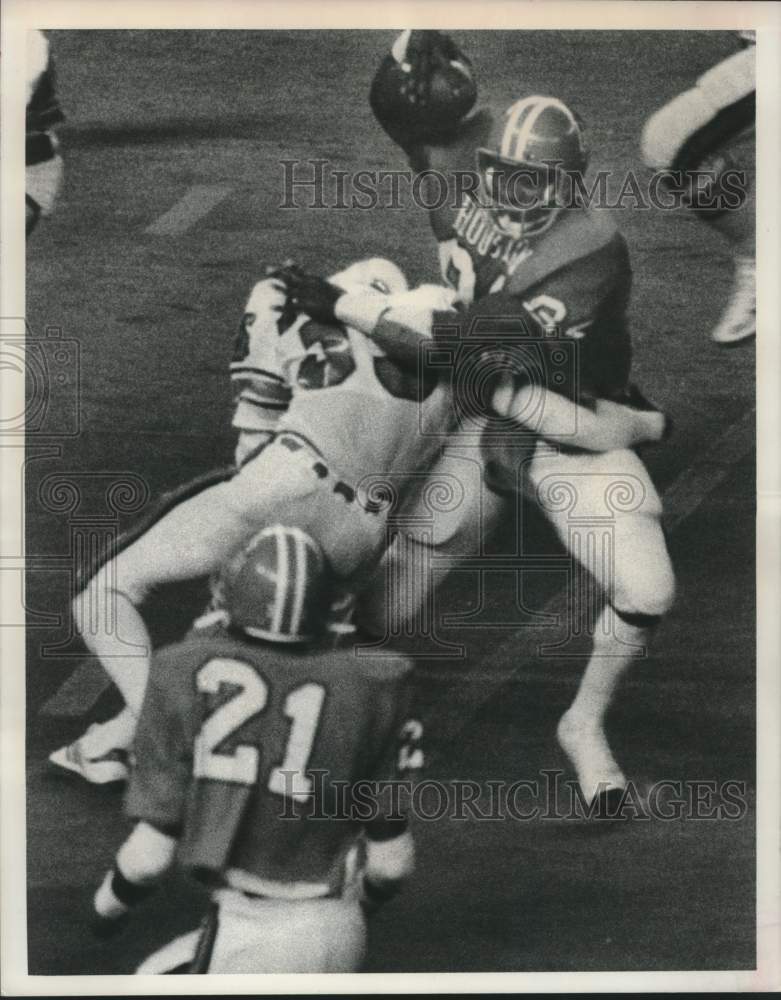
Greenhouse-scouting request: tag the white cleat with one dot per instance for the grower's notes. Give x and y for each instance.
(105, 768)
(739, 321)
(587, 748)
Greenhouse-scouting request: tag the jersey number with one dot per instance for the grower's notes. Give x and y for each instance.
(459, 272)
(241, 765)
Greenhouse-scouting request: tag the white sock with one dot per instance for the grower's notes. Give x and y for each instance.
(581, 729)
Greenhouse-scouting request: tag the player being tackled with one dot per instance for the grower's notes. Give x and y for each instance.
(352, 426)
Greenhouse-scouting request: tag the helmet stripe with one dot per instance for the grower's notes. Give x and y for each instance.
(283, 576)
(521, 120)
(514, 116)
(525, 130)
(300, 579)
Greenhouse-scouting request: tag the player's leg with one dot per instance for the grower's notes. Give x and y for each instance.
(739, 319)
(621, 636)
(446, 515)
(614, 502)
(155, 512)
(109, 620)
(191, 540)
(709, 129)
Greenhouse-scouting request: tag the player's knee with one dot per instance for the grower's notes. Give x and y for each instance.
(647, 595)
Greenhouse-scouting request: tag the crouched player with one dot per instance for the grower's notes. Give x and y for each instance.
(248, 736)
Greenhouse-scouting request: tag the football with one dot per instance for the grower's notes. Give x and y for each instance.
(452, 94)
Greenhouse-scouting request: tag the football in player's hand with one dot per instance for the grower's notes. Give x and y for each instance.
(423, 89)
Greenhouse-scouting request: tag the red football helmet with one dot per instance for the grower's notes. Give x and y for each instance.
(275, 587)
(539, 141)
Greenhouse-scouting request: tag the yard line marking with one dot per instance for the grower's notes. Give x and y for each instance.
(87, 683)
(196, 202)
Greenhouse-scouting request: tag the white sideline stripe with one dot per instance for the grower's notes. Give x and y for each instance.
(684, 495)
(196, 202)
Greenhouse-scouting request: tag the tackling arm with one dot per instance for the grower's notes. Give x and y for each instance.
(428, 314)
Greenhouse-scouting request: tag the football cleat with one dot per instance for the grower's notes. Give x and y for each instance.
(586, 746)
(105, 768)
(739, 320)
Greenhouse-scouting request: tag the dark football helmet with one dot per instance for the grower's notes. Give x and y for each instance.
(275, 587)
(538, 143)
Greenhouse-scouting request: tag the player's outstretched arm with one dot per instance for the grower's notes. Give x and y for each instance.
(140, 863)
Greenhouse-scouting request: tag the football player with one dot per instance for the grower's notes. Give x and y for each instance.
(528, 261)
(259, 759)
(710, 128)
(43, 162)
(355, 426)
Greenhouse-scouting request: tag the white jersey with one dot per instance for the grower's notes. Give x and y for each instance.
(335, 387)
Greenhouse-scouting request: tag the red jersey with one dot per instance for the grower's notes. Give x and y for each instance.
(575, 277)
(250, 752)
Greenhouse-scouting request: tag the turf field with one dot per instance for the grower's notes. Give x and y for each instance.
(152, 293)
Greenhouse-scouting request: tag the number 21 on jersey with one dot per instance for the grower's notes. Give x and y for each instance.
(302, 707)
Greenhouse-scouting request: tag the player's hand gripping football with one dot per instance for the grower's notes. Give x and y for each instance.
(309, 294)
(424, 53)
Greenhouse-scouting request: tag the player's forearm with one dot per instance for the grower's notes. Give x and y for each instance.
(605, 426)
(370, 314)
(401, 329)
(140, 863)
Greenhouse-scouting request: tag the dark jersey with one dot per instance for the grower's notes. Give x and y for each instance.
(574, 278)
(250, 753)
